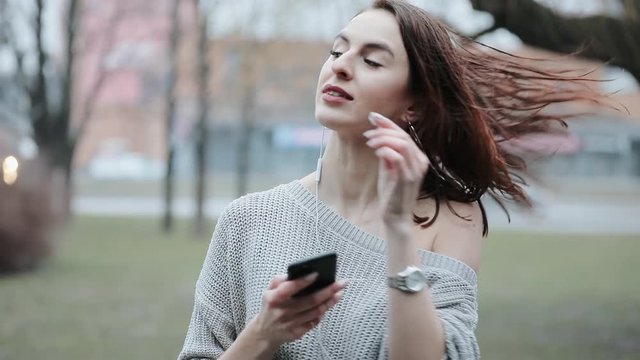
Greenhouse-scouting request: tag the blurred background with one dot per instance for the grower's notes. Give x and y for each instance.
(127, 126)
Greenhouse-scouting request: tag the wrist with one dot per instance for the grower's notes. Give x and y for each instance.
(402, 250)
(262, 343)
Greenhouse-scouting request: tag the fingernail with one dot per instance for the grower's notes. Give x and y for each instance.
(311, 277)
(342, 283)
(339, 294)
(368, 133)
(373, 117)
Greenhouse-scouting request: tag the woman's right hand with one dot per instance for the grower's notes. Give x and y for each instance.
(284, 318)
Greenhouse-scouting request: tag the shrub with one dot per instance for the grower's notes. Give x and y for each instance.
(25, 217)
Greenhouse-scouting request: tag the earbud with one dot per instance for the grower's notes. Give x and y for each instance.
(319, 165)
(319, 169)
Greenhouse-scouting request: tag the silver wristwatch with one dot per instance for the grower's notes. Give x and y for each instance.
(409, 280)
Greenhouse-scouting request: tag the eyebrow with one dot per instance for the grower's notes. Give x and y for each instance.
(373, 45)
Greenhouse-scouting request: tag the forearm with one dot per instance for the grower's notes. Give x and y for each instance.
(414, 312)
(250, 346)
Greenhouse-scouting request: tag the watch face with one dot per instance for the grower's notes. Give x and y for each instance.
(416, 281)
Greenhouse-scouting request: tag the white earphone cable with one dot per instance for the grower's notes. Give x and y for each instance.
(318, 177)
(325, 354)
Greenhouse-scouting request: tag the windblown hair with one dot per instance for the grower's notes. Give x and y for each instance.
(469, 100)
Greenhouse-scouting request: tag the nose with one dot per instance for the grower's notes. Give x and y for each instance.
(342, 67)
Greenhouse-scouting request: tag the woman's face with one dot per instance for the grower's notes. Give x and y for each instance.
(368, 70)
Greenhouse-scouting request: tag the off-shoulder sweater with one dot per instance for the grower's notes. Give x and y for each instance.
(259, 234)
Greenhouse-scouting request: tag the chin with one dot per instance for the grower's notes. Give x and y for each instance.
(333, 121)
(337, 119)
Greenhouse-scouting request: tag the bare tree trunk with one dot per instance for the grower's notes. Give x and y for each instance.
(202, 132)
(244, 153)
(604, 38)
(54, 130)
(67, 188)
(63, 117)
(247, 118)
(51, 124)
(38, 96)
(167, 224)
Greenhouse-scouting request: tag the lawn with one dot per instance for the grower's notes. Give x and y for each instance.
(118, 289)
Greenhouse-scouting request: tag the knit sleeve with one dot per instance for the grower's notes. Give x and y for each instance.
(212, 330)
(456, 305)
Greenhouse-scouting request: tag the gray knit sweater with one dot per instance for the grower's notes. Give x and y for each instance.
(256, 238)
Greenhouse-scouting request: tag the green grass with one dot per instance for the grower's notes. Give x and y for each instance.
(118, 289)
(560, 297)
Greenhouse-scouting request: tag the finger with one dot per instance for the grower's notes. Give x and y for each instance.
(300, 330)
(373, 133)
(313, 300)
(403, 146)
(289, 288)
(394, 161)
(396, 131)
(390, 156)
(417, 159)
(382, 121)
(410, 153)
(316, 313)
(276, 281)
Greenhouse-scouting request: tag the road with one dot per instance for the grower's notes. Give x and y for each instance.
(561, 216)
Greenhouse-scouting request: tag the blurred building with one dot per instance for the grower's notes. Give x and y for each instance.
(128, 120)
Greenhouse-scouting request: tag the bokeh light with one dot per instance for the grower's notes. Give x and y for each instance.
(10, 170)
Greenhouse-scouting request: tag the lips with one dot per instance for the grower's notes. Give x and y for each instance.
(337, 92)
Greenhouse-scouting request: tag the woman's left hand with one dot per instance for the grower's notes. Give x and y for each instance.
(402, 167)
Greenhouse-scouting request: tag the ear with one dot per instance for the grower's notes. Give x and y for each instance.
(410, 115)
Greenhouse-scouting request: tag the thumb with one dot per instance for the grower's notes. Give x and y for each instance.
(276, 281)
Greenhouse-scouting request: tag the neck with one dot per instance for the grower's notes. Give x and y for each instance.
(350, 178)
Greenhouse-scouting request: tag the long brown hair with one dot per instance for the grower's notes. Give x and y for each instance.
(468, 101)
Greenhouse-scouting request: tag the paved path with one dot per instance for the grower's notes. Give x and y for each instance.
(567, 216)
(572, 216)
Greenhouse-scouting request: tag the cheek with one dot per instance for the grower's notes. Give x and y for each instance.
(388, 96)
(325, 73)
(389, 91)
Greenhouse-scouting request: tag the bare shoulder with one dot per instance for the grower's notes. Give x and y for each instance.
(457, 231)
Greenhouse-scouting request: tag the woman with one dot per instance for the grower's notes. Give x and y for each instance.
(417, 124)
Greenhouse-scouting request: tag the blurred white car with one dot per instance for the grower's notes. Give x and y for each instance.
(115, 162)
(125, 166)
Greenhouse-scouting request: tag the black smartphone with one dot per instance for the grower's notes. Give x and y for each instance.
(324, 265)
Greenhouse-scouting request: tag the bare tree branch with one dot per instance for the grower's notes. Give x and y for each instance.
(490, 29)
(599, 37)
(8, 39)
(631, 9)
(88, 106)
(4, 23)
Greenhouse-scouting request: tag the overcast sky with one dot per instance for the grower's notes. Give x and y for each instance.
(310, 19)
(307, 19)
(323, 19)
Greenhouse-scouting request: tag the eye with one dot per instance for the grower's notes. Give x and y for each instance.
(335, 54)
(372, 63)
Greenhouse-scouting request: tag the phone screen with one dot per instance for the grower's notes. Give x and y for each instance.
(324, 265)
